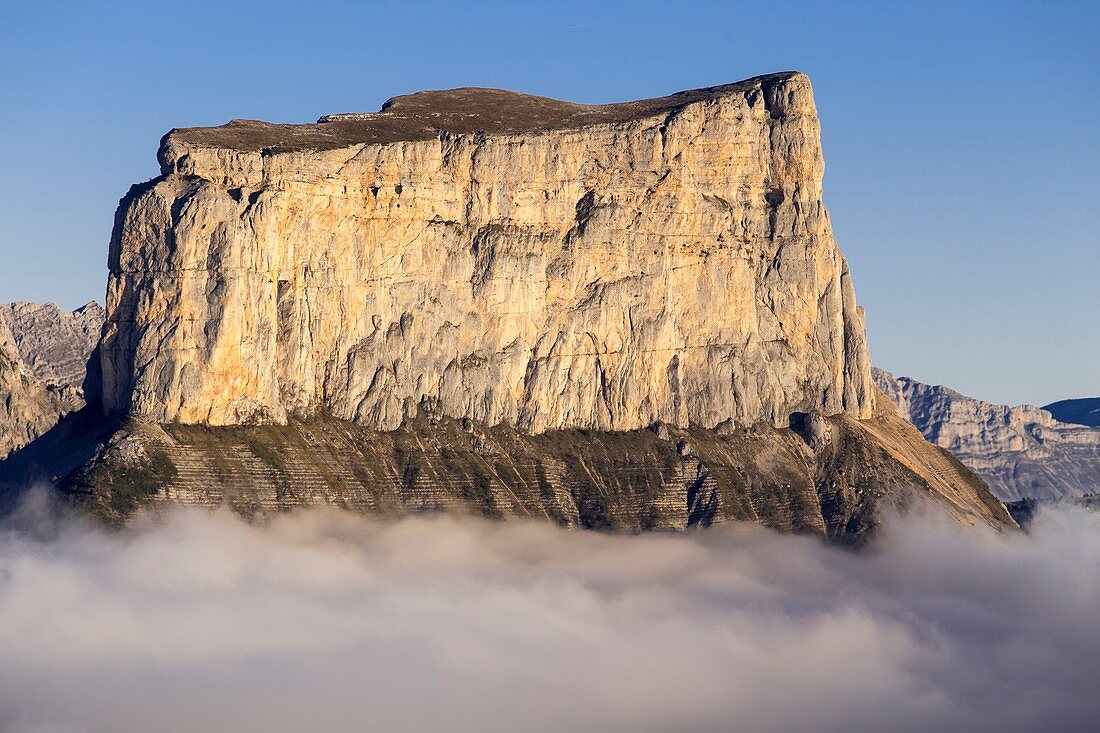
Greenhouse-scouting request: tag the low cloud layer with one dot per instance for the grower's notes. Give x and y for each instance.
(322, 621)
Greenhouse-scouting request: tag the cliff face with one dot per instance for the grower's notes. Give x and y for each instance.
(491, 256)
(54, 344)
(1021, 452)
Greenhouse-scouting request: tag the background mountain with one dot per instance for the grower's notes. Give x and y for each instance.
(1021, 452)
(43, 355)
(1084, 411)
(28, 407)
(54, 344)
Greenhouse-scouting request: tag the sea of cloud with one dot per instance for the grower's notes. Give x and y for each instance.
(322, 621)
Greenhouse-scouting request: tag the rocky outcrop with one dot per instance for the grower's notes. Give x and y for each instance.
(1083, 411)
(628, 316)
(54, 344)
(1021, 452)
(491, 256)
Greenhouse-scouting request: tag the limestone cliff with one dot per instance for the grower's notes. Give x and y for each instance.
(493, 256)
(1021, 452)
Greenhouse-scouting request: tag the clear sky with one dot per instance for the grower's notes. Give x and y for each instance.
(962, 140)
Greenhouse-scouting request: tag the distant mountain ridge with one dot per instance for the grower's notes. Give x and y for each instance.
(1084, 411)
(43, 356)
(53, 343)
(1022, 452)
(27, 407)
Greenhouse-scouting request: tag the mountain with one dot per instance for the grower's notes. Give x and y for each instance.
(511, 259)
(625, 316)
(53, 343)
(1084, 411)
(43, 353)
(27, 407)
(1021, 452)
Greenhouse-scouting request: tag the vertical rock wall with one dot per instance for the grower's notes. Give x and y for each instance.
(592, 267)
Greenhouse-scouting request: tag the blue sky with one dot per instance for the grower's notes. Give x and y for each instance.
(961, 144)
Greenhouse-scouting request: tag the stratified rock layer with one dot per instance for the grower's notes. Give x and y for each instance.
(492, 256)
(659, 478)
(1021, 452)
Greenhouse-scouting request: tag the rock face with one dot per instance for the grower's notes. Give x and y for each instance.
(43, 356)
(53, 343)
(1021, 452)
(491, 256)
(659, 478)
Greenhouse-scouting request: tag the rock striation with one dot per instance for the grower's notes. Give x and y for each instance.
(491, 256)
(663, 477)
(1021, 452)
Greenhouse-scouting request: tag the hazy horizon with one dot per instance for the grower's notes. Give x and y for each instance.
(961, 172)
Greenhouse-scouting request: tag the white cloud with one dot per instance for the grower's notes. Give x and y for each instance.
(323, 621)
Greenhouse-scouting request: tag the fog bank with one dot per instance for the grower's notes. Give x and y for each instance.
(329, 622)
